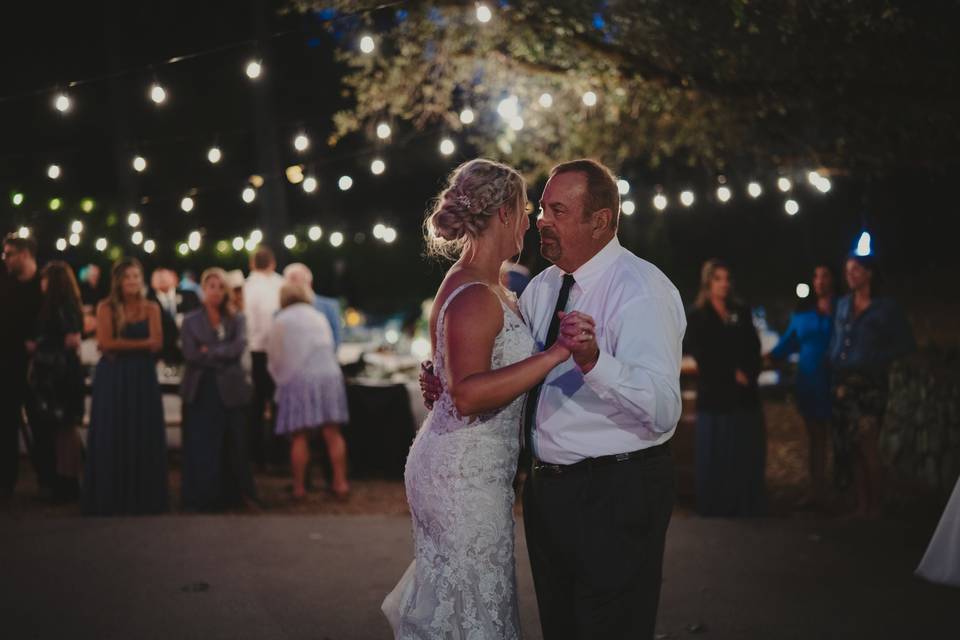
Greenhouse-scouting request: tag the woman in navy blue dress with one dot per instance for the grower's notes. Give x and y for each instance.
(809, 335)
(126, 470)
(730, 436)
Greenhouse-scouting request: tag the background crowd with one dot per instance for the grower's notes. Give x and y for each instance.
(259, 372)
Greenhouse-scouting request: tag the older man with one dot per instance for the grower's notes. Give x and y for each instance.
(601, 488)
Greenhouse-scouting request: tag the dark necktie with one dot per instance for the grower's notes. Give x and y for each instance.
(534, 394)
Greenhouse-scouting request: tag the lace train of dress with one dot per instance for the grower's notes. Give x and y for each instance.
(459, 475)
(941, 562)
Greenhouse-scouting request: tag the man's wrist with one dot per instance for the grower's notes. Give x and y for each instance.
(587, 366)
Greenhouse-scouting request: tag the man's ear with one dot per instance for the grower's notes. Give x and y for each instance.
(601, 222)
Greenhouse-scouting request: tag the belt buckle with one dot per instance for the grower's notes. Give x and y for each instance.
(544, 466)
(622, 457)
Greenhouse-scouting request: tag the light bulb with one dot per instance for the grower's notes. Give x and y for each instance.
(628, 207)
(724, 194)
(377, 167)
(383, 131)
(589, 98)
(687, 198)
(660, 201)
(100, 244)
(187, 204)
(447, 147)
(53, 171)
(253, 69)
(289, 241)
(214, 155)
(467, 116)
(149, 246)
(791, 207)
(546, 100)
(367, 45)
(310, 184)
(483, 13)
(139, 164)
(158, 94)
(249, 194)
(784, 184)
(301, 142)
(136, 237)
(336, 238)
(133, 219)
(62, 103)
(754, 189)
(344, 183)
(315, 233)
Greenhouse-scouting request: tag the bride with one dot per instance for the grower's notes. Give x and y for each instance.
(460, 468)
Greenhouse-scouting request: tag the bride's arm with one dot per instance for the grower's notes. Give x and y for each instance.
(471, 324)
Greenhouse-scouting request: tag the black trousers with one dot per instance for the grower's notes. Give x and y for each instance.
(596, 539)
(261, 430)
(13, 389)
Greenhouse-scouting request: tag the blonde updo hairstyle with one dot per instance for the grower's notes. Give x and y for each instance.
(475, 192)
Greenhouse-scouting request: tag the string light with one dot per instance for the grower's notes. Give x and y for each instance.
(149, 246)
(55, 204)
(784, 184)
(623, 187)
(484, 14)
(74, 239)
(86, 205)
(447, 147)
(516, 123)
(301, 142)
(754, 189)
(53, 171)
(590, 98)
(660, 202)
(724, 194)
(139, 164)
(193, 240)
(378, 230)
(467, 116)
(62, 103)
(820, 183)
(383, 131)
(545, 100)
(256, 236)
(249, 194)
(314, 233)
(158, 94)
(76, 226)
(214, 155)
(628, 207)
(133, 219)
(344, 183)
(237, 243)
(377, 167)
(290, 241)
(367, 45)
(310, 184)
(250, 244)
(23, 232)
(17, 199)
(253, 69)
(687, 198)
(295, 174)
(803, 290)
(509, 108)
(183, 249)
(864, 245)
(136, 237)
(389, 235)
(336, 238)
(791, 207)
(187, 204)
(61, 244)
(100, 244)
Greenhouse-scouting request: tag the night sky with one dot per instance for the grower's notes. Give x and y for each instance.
(211, 101)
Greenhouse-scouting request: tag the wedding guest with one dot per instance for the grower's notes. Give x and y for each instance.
(310, 386)
(91, 287)
(20, 300)
(730, 440)
(126, 471)
(809, 335)
(188, 283)
(869, 333)
(216, 397)
(300, 274)
(261, 299)
(235, 282)
(174, 303)
(55, 404)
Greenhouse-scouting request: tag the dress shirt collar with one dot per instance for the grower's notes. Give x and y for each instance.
(592, 269)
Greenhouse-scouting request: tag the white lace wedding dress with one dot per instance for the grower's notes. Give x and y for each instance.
(459, 475)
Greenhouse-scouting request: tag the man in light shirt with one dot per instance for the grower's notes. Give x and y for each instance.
(600, 492)
(261, 300)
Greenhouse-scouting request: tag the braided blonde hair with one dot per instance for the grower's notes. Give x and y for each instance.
(475, 192)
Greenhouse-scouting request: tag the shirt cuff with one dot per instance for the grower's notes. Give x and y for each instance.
(604, 374)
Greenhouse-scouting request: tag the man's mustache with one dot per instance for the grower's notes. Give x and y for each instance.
(546, 233)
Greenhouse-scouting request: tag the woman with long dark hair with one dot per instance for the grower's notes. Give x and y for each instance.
(126, 469)
(730, 439)
(216, 398)
(55, 404)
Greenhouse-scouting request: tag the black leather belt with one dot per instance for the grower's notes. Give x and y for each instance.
(590, 463)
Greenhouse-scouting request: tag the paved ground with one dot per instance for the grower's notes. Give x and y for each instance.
(323, 577)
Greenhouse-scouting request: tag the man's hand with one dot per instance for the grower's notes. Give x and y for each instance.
(578, 330)
(430, 385)
(741, 378)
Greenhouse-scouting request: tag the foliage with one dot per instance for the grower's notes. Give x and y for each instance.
(841, 83)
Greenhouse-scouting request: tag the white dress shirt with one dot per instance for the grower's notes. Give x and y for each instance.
(261, 300)
(630, 400)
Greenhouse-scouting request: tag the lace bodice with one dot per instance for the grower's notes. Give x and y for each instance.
(459, 479)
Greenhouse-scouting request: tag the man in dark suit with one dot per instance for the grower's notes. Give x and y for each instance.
(174, 303)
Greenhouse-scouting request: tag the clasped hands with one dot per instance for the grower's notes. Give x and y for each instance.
(577, 335)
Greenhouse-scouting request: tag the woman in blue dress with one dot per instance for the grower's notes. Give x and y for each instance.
(126, 471)
(809, 335)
